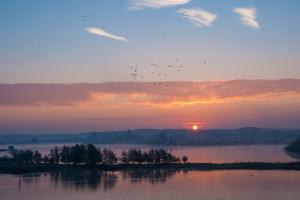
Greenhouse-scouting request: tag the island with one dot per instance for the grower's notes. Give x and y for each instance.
(293, 149)
(88, 157)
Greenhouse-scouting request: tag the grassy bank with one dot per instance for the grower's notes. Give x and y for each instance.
(14, 168)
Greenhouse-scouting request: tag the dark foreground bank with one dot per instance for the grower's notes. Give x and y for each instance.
(34, 168)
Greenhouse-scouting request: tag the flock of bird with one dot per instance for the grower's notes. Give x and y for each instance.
(135, 73)
(85, 19)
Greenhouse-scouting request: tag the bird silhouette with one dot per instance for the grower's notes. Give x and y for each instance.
(85, 19)
(153, 64)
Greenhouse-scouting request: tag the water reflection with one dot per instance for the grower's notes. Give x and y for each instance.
(83, 180)
(150, 176)
(94, 180)
(154, 184)
(30, 178)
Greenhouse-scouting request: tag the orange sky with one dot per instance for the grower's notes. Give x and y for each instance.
(130, 105)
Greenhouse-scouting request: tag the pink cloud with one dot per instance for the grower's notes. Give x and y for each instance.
(142, 92)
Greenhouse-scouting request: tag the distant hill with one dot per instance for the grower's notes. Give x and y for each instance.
(248, 135)
(294, 147)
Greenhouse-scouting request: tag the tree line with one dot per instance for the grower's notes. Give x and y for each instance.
(90, 155)
(294, 146)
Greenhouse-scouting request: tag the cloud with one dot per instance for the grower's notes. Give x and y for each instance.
(248, 16)
(140, 4)
(103, 33)
(143, 93)
(198, 17)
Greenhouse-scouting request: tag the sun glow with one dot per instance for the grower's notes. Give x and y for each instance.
(195, 127)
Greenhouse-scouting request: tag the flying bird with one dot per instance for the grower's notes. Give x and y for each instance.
(153, 64)
(85, 19)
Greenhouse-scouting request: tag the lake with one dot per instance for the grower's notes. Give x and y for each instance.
(153, 185)
(216, 154)
(162, 184)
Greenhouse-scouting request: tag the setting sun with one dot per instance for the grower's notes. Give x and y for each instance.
(195, 127)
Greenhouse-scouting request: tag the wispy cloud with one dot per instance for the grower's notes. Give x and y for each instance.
(103, 33)
(144, 93)
(248, 17)
(198, 17)
(140, 4)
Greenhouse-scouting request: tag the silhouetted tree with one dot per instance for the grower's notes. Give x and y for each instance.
(147, 158)
(109, 157)
(46, 159)
(54, 155)
(28, 156)
(124, 157)
(37, 157)
(184, 159)
(23, 156)
(78, 154)
(151, 156)
(178, 160)
(294, 146)
(135, 155)
(92, 155)
(65, 154)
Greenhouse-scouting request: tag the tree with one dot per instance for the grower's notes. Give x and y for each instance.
(184, 159)
(37, 157)
(151, 156)
(27, 156)
(178, 160)
(109, 157)
(294, 146)
(46, 159)
(124, 157)
(135, 155)
(92, 155)
(54, 155)
(147, 158)
(23, 156)
(65, 154)
(78, 154)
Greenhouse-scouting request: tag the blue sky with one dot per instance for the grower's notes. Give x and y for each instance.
(47, 41)
(215, 41)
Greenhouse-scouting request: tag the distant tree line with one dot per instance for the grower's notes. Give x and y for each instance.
(90, 155)
(294, 146)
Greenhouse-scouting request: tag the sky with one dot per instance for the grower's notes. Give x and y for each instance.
(74, 65)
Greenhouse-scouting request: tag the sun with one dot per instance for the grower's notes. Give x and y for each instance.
(195, 127)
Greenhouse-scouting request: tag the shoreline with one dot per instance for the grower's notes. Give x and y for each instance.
(15, 168)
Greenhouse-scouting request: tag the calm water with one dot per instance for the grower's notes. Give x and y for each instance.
(162, 184)
(153, 185)
(218, 154)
